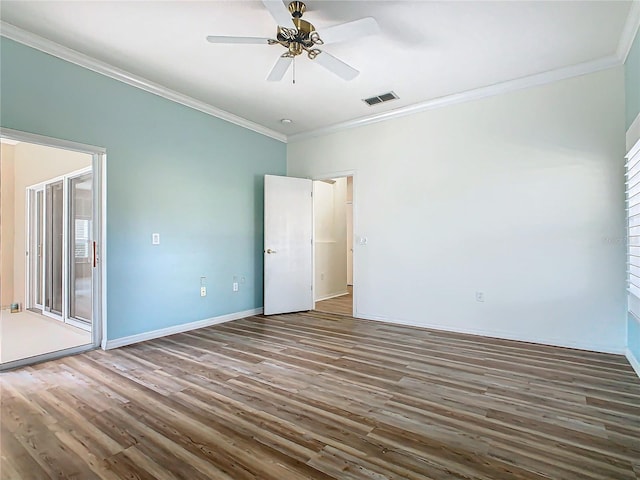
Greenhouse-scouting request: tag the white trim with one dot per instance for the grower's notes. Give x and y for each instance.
(185, 327)
(43, 140)
(633, 151)
(633, 135)
(629, 31)
(635, 363)
(101, 161)
(45, 357)
(333, 295)
(502, 335)
(47, 46)
(28, 273)
(63, 177)
(332, 175)
(469, 95)
(40, 43)
(78, 324)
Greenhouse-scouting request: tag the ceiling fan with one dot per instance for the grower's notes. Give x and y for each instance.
(304, 38)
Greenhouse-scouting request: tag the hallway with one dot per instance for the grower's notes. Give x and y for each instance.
(342, 305)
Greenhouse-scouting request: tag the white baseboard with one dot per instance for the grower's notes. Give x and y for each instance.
(185, 327)
(635, 363)
(332, 295)
(501, 335)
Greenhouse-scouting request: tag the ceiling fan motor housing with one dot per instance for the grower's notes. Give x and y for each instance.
(303, 37)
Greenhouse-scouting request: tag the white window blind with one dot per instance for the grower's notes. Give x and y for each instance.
(633, 219)
(82, 238)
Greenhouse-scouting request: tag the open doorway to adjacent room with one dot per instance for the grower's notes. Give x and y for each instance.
(50, 278)
(333, 242)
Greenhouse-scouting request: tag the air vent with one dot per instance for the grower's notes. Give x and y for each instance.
(384, 97)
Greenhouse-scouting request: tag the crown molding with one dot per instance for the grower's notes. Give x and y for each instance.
(629, 31)
(627, 37)
(469, 95)
(47, 46)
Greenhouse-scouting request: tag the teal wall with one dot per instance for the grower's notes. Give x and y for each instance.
(195, 179)
(632, 81)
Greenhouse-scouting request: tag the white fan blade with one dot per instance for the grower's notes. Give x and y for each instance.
(279, 69)
(279, 12)
(350, 30)
(336, 66)
(223, 39)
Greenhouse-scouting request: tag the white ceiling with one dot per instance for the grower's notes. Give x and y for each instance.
(426, 49)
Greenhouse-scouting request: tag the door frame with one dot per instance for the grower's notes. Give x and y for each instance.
(327, 176)
(99, 166)
(31, 223)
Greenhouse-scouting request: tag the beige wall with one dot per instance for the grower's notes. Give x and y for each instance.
(6, 223)
(35, 164)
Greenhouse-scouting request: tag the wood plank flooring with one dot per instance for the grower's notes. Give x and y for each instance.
(321, 396)
(342, 304)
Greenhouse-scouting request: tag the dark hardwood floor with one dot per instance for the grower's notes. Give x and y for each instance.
(318, 396)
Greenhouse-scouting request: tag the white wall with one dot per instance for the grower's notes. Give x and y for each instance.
(330, 228)
(349, 212)
(519, 196)
(35, 164)
(6, 224)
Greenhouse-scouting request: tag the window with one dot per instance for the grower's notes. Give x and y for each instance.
(633, 219)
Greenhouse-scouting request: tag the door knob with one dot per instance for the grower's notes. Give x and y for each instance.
(271, 251)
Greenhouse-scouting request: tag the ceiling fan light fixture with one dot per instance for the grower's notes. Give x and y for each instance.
(303, 37)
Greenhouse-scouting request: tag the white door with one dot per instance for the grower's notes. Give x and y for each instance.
(288, 249)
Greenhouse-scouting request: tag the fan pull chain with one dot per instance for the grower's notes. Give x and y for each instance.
(294, 70)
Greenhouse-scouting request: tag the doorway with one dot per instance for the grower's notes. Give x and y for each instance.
(333, 245)
(52, 270)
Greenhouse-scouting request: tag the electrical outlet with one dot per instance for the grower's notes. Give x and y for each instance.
(235, 286)
(322, 276)
(479, 296)
(203, 291)
(155, 239)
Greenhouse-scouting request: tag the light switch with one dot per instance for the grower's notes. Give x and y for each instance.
(362, 240)
(155, 239)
